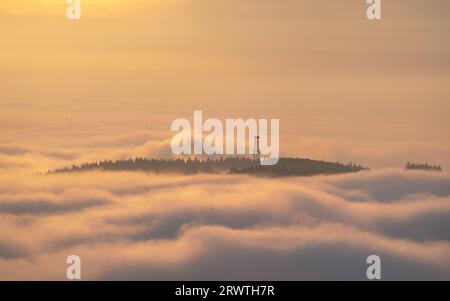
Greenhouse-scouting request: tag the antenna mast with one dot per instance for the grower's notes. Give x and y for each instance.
(258, 151)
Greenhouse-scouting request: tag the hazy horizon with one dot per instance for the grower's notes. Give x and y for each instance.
(343, 88)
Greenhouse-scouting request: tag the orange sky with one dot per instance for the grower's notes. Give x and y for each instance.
(344, 88)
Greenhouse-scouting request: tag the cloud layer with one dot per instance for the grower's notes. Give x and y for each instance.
(143, 226)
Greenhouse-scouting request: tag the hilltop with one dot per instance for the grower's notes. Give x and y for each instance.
(231, 165)
(423, 166)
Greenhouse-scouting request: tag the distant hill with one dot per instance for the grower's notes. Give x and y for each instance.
(232, 165)
(423, 166)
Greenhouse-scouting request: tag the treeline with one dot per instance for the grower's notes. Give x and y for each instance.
(300, 167)
(233, 165)
(423, 166)
(180, 165)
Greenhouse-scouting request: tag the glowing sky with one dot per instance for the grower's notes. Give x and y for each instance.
(344, 88)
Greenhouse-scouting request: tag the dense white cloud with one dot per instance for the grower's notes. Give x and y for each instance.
(146, 226)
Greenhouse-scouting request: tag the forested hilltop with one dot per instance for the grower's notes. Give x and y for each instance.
(232, 165)
(423, 166)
